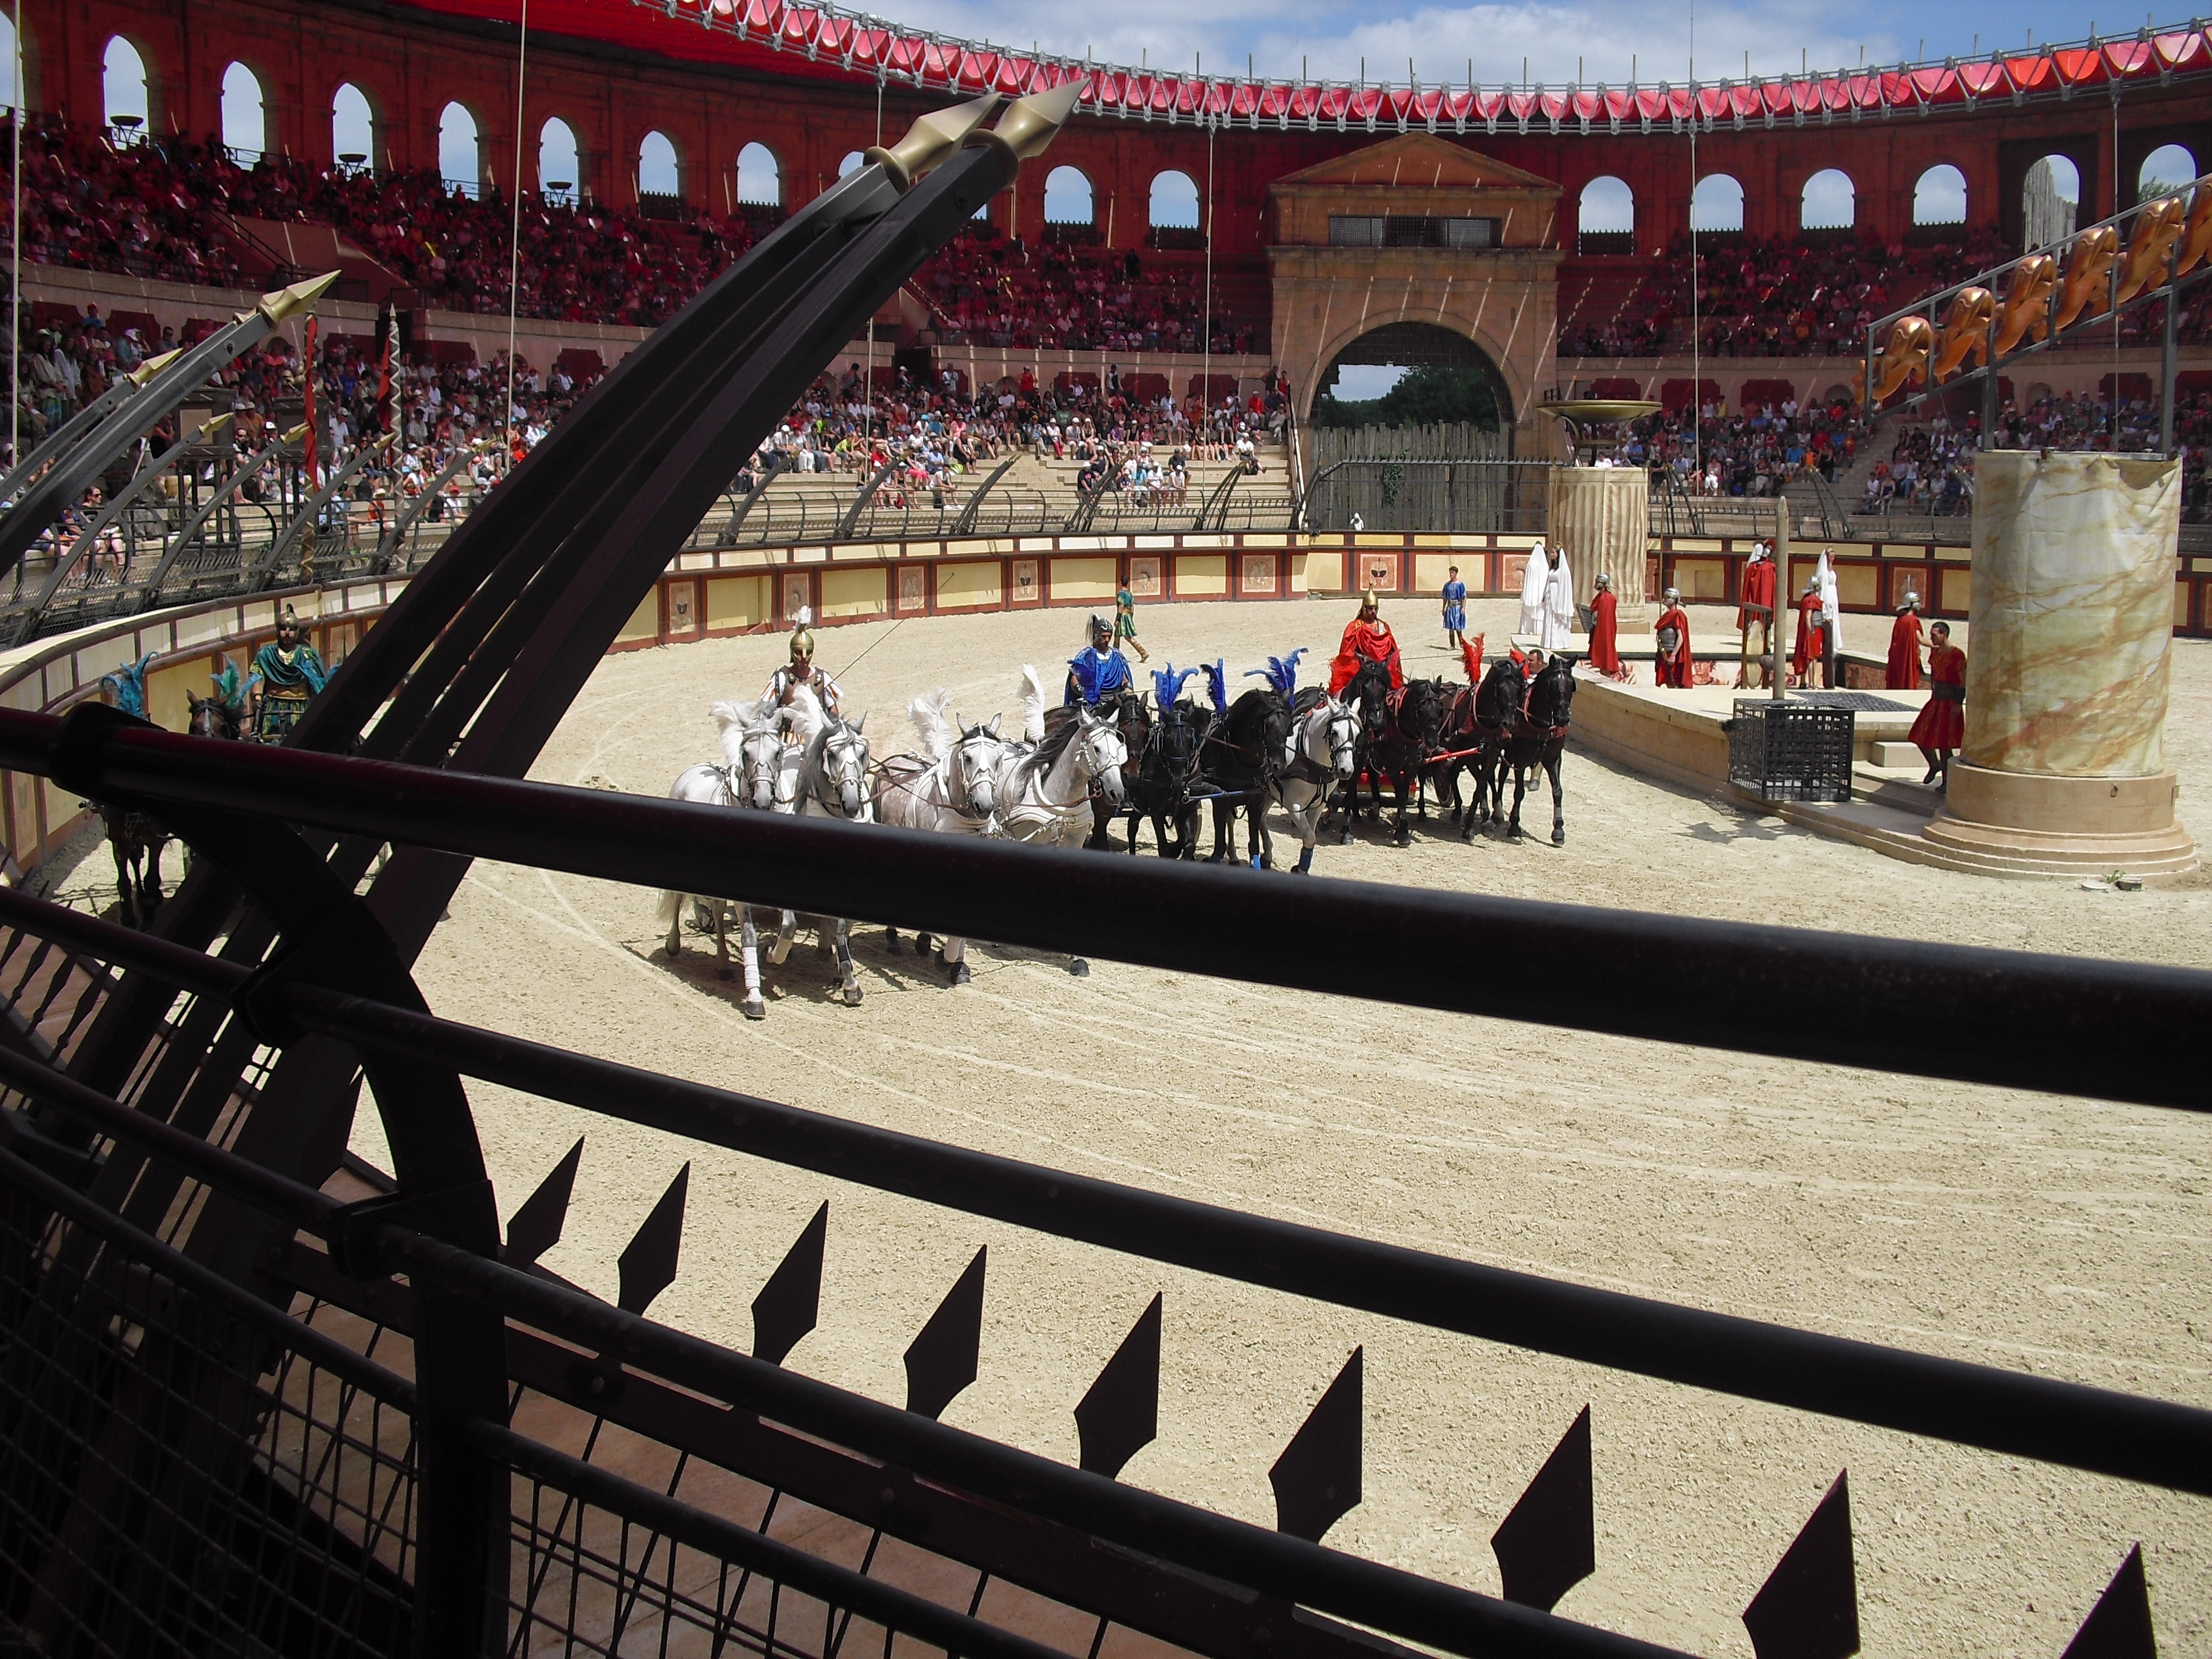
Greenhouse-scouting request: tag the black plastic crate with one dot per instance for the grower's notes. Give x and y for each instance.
(1790, 750)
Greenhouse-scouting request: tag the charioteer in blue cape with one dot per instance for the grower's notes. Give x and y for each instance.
(286, 676)
(1098, 671)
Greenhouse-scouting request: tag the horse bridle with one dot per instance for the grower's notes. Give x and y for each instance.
(965, 805)
(838, 745)
(761, 771)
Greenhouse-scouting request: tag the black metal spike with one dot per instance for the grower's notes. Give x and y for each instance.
(1808, 1608)
(1121, 1415)
(1316, 1480)
(791, 1300)
(648, 1265)
(2119, 1627)
(536, 1227)
(1548, 1545)
(942, 1360)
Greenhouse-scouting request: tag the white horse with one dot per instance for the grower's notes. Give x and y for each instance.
(755, 776)
(832, 782)
(1317, 760)
(950, 786)
(1042, 788)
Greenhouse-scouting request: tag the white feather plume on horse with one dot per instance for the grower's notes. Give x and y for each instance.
(1032, 704)
(736, 721)
(927, 711)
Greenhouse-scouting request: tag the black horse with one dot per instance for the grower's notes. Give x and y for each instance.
(1135, 720)
(1242, 751)
(1169, 780)
(1482, 719)
(1413, 721)
(1368, 694)
(1540, 740)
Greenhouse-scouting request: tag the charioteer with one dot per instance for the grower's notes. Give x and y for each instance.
(1097, 671)
(1367, 638)
(287, 675)
(800, 673)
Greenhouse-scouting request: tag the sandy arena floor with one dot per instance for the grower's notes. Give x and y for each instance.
(2063, 1237)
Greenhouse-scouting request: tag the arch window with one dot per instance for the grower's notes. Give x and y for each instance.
(2051, 196)
(1717, 203)
(1828, 202)
(658, 172)
(760, 177)
(2164, 171)
(125, 91)
(460, 152)
(1068, 199)
(1174, 201)
(1605, 217)
(1939, 197)
(353, 127)
(852, 164)
(245, 118)
(560, 164)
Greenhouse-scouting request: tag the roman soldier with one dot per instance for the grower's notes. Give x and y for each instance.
(1098, 671)
(800, 672)
(1812, 633)
(1671, 633)
(1760, 580)
(1605, 628)
(1905, 647)
(1940, 730)
(286, 676)
(1367, 638)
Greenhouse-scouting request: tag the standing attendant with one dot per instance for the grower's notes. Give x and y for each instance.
(1454, 600)
(1605, 628)
(1672, 634)
(1832, 622)
(1559, 625)
(1942, 728)
(1757, 611)
(1905, 647)
(1812, 633)
(1124, 621)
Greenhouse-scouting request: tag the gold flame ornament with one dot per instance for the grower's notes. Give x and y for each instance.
(2089, 261)
(1966, 332)
(2027, 312)
(2150, 246)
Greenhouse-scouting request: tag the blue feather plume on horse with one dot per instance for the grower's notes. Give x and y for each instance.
(1167, 683)
(127, 685)
(1281, 673)
(1217, 685)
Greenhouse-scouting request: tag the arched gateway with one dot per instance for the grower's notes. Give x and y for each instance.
(1417, 230)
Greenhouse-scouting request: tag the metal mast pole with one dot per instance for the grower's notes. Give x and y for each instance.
(514, 236)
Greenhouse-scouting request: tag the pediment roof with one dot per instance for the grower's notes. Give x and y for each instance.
(1413, 161)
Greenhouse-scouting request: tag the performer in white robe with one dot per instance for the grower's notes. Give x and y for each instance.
(1533, 580)
(1832, 620)
(1558, 628)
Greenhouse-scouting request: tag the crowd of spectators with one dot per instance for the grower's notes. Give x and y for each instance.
(1777, 296)
(1753, 452)
(168, 208)
(1930, 471)
(943, 436)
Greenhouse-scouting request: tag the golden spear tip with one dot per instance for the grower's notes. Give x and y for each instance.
(152, 365)
(296, 433)
(287, 302)
(1034, 122)
(931, 139)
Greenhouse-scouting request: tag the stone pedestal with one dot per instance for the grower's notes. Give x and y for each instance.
(1601, 515)
(2070, 636)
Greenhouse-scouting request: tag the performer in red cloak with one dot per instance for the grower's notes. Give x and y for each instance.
(1672, 633)
(1605, 628)
(1941, 728)
(1905, 647)
(1810, 640)
(1367, 638)
(1757, 610)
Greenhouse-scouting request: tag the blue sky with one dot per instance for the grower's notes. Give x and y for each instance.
(1329, 37)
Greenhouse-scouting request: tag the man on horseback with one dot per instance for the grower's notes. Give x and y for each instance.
(1367, 638)
(800, 673)
(1098, 671)
(286, 676)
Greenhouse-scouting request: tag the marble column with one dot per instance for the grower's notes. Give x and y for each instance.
(1601, 515)
(2068, 642)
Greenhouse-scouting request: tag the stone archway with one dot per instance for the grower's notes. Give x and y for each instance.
(1482, 395)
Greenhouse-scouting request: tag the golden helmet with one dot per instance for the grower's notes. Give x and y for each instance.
(1371, 600)
(802, 644)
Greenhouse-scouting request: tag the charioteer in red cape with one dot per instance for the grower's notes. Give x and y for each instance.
(1367, 638)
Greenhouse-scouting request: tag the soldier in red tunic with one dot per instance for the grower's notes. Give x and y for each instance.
(1672, 634)
(1757, 611)
(1367, 638)
(1905, 647)
(1605, 628)
(1812, 633)
(1941, 728)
